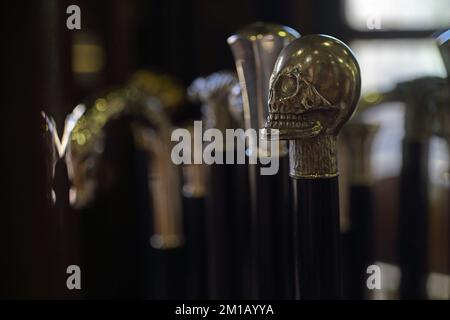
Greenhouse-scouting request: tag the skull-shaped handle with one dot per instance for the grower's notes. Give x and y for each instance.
(314, 90)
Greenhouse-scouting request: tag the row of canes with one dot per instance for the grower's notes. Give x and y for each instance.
(152, 229)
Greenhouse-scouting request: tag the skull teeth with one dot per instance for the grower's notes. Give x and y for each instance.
(288, 121)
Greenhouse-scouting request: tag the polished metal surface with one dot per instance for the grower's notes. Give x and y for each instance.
(255, 49)
(48, 131)
(56, 147)
(314, 90)
(213, 92)
(443, 40)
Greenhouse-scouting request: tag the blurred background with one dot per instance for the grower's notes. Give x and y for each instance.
(161, 47)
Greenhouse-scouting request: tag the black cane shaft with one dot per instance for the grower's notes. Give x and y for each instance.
(227, 224)
(218, 225)
(194, 217)
(413, 234)
(273, 235)
(317, 238)
(357, 242)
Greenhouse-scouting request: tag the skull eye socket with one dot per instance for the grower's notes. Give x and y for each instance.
(287, 85)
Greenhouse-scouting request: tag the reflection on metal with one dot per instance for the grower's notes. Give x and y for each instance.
(214, 92)
(57, 147)
(49, 145)
(51, 136)
(314, 90)
(443, 40)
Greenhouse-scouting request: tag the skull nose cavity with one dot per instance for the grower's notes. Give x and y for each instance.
(274, 107)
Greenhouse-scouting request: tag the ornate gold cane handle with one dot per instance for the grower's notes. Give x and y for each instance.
(314, 90)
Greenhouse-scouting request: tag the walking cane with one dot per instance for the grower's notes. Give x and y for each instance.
(357, 241)
(194, 207)
(255, 50)
(314, 89)
(226, 218)
(421, 98)
(127, 189)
